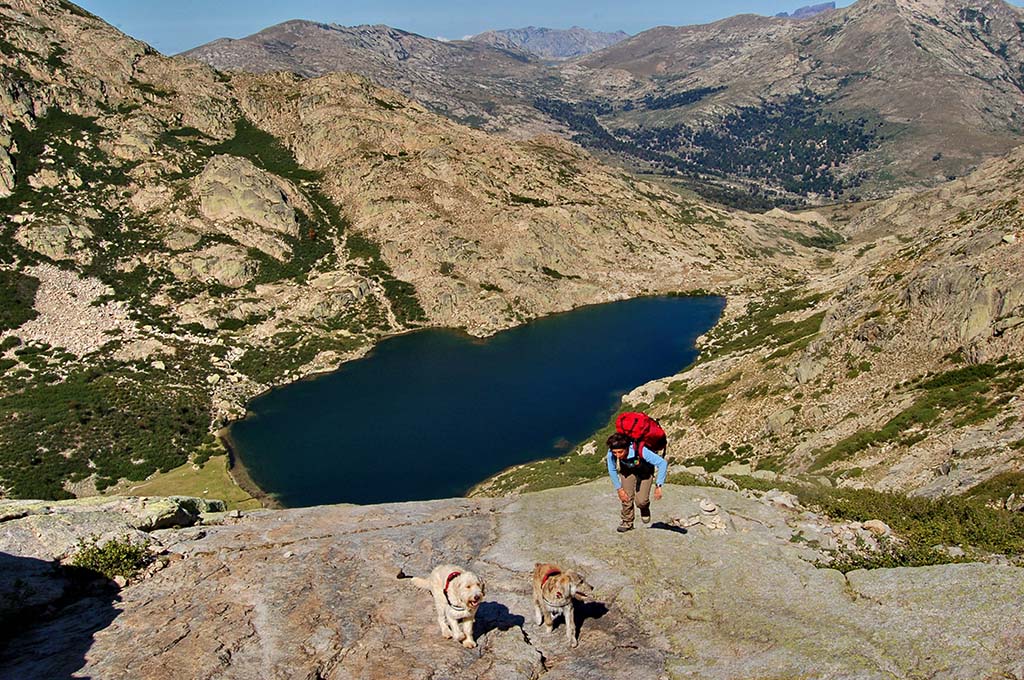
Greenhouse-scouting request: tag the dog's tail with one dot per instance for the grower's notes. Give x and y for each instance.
(416, 580)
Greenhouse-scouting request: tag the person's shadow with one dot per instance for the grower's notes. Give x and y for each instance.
(669, 527)
(48, 617)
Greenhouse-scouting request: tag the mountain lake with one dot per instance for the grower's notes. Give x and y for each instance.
(428, 414)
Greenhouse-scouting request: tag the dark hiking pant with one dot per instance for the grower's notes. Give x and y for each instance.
(637, 483)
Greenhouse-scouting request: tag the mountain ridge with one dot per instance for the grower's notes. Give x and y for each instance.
(552, 43)
(865, 100)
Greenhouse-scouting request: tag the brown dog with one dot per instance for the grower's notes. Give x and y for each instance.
(457, 594)
(554, 593)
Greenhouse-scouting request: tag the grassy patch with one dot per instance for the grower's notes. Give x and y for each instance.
(211, 481)
(758, 328)
(705, 401)
(997, 489)
(823, 238)
(264, 150)
(707, 407)
(922, 523)
(56, 136)
(527, 200)
(401, 294)
(316, 231)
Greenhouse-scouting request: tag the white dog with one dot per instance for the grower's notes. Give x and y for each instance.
(457, 594)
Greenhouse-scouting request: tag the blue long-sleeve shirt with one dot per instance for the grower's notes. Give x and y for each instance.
(631, 462)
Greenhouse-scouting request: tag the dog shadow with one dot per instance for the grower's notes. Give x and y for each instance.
(669, 527)
(495, 616)
(590, 609)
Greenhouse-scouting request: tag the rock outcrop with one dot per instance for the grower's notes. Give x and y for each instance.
(6, 174)
(313, 593)
(60, 239)
(232, 188)
(226, 264)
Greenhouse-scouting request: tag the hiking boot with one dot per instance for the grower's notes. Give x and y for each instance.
(645, 515)
(623, 528)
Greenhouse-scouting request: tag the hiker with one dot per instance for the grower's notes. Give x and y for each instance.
(632, 475)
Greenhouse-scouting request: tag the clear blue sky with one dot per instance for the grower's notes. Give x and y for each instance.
(172, 26)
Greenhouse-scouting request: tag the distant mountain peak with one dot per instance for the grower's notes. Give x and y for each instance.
(808, 11)
(551, 43)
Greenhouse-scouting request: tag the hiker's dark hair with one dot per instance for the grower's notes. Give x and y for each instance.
(619, 441)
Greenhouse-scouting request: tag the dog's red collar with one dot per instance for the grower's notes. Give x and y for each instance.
(447, 582)
(551, 572)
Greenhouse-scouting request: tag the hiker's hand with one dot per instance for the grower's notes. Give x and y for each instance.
(657, 493)
(623, 496)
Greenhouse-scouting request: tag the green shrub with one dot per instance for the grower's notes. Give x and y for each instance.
(263, 149)
(962, 392)
(101, 421)
(758, 328)
(998, 488)
(707, 407)
(9, 342)
(118, 557)
(715, 461)
(527, 200)
(17, 296)
(923, 522)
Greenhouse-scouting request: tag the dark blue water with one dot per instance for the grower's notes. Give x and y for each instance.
(431, 413)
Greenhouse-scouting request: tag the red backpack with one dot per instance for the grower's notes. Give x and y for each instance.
(643, 430)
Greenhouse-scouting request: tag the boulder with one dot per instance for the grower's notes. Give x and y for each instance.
(181, 239)
(226, 264)
(151, 197)
(232, 188)
(56, 240)
(778, 421)
(46, 178)
(877, 527)
(7, 176)
(977, 317)
(133, 145)
(143, 349)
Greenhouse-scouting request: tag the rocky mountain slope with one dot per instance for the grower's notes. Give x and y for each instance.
(759, 111)
(177, 240)
(472, 82)
(899, 365)
(922, 89)
(313, 593)
(551, 43)
(908, 374)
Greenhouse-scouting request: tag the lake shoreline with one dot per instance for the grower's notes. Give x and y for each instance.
(240, 475)
(681, 324)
